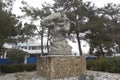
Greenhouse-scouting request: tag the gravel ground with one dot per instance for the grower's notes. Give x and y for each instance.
(103, 75)
(91, 75)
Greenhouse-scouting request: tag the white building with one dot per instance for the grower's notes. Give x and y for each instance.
(33, 47)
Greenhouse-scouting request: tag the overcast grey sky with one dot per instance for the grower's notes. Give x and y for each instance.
(37, 3)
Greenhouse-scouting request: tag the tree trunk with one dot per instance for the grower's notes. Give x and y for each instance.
(91, 48)
(118, 48)
(48, 39)
(79, 44)
(102, 54)
(42, 53)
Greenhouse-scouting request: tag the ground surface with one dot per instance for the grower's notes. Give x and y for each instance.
(94, 75)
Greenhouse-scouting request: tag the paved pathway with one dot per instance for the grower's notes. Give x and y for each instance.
(32, 76)
(8, 77)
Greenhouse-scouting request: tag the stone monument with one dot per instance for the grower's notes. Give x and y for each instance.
(59, 25)
(60, 63)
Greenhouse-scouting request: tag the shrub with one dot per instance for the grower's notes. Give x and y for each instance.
(17, 68)
(106, 64)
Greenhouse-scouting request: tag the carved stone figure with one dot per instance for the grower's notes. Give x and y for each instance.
(59, 25)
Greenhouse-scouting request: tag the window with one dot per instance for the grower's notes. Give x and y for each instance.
(38, 47)
(23, 47)
(32, 47)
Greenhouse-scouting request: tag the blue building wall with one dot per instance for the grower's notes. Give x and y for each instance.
(31, 60)
(5, 61)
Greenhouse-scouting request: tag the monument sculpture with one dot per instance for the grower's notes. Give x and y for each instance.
(57, 67)
(59, 25)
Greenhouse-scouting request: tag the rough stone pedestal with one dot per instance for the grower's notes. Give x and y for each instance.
(56, 67)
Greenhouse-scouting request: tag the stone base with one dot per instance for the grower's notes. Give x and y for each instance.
(56, 67)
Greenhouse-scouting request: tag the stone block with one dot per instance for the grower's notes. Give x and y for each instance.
(56, 67)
